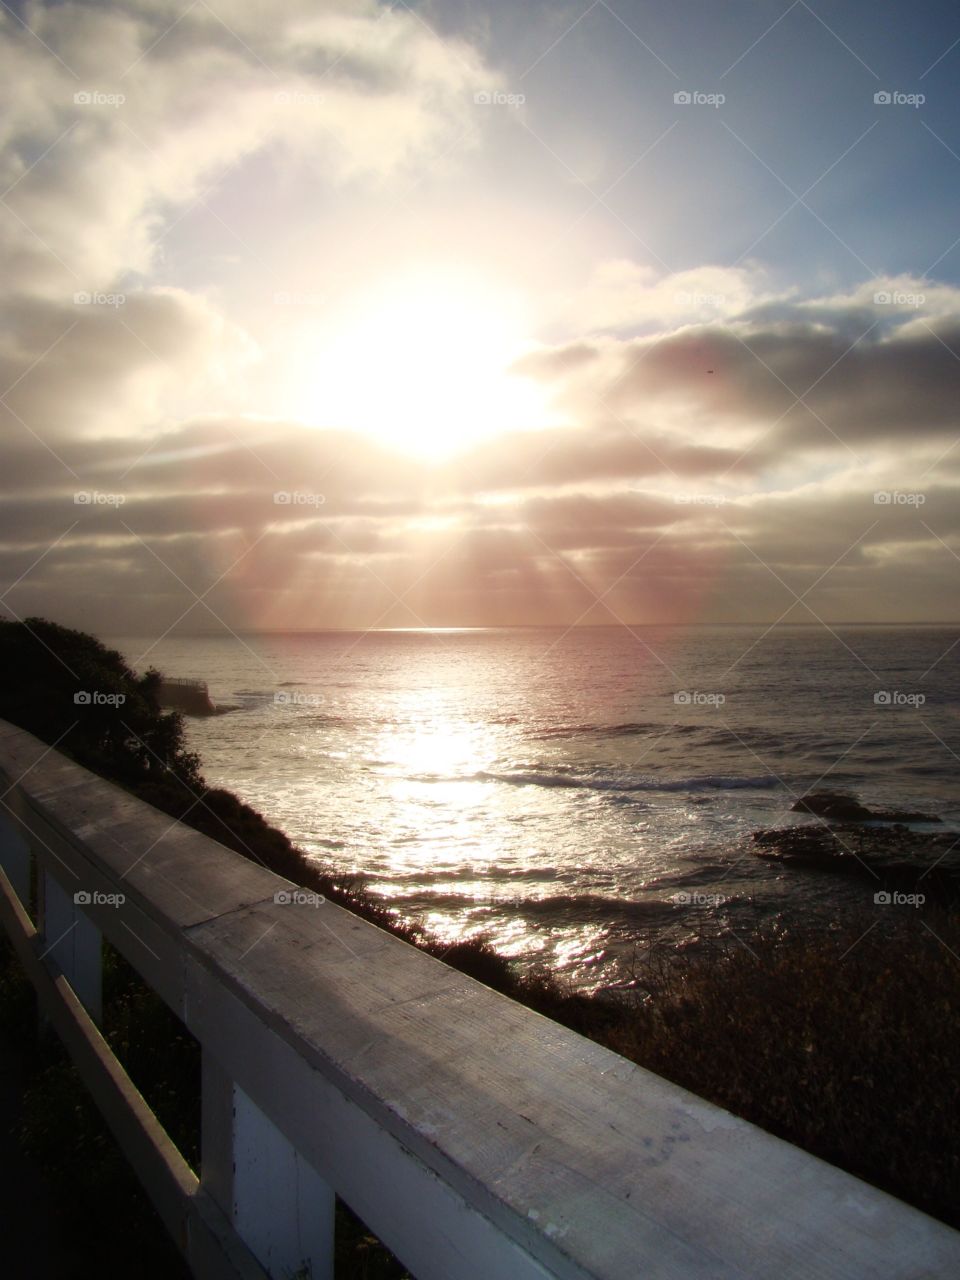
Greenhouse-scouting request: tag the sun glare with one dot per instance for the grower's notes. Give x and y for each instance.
(423, 365)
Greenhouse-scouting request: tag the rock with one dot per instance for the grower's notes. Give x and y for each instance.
(832, 805)
(835, 807)
(890, 858)
(900, 816)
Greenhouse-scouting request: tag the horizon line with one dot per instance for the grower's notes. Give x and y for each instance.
(531, 626)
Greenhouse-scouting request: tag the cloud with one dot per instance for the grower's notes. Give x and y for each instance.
(826, 374)
(622, 295)
(202, 504)
(97, 363)
(117, 122)
(117, 117)
(723, 435)
(623, 516)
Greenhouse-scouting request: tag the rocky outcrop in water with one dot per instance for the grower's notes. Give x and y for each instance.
(833, 806)
(887, 855)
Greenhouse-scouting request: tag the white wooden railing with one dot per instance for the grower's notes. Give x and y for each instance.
(476, 1138)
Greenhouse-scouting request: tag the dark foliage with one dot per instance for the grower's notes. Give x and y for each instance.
(68, 688)
(844, 1044)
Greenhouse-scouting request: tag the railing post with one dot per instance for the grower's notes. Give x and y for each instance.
(216, 1133)
(15, 860)
(282, 1209)
(279, 1206)
(72, 942)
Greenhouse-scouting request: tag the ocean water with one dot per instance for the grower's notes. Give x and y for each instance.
(574, 796)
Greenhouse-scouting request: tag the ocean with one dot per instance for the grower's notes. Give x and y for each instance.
(577, 796)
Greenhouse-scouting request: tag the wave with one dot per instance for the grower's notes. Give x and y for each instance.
(629, 729)
(469, 874)
(566, 906)
(597, 906)
(614, 782)
(710, 873)
(736, 738)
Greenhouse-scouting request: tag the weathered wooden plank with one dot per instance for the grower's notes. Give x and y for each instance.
(143, 935)
(15, 857)
(185, 876)
(214, 1250)
(72, 943)
(97, 839)
(563, 1144)
(282, 1208)
(437, 1234)
(216, 1138)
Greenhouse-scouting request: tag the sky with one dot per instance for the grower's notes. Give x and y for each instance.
(357, 315)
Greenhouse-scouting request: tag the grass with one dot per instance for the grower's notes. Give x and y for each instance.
(845, 1045)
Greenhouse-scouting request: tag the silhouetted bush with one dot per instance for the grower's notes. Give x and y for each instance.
(47, 668)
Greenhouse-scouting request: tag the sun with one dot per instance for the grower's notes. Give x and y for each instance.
(423, 364)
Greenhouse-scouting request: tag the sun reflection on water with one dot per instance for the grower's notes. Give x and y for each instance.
(435, 757)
